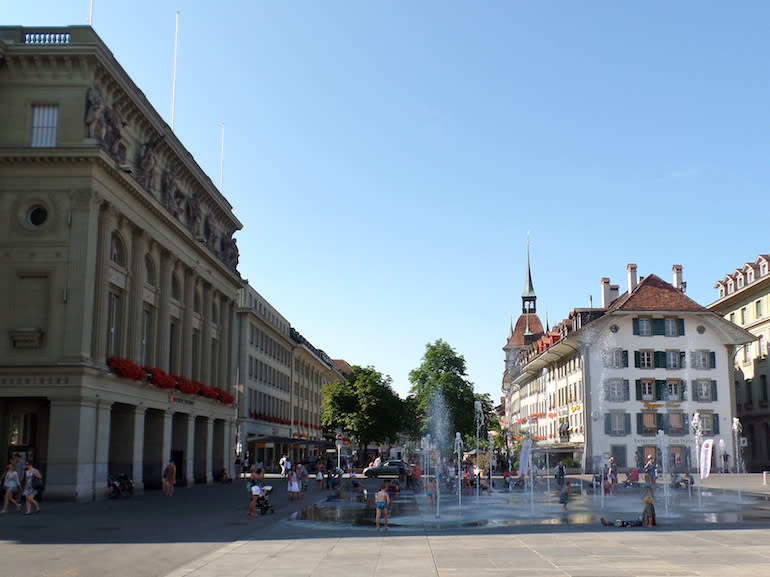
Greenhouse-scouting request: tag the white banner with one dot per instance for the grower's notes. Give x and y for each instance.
(705, 457)
(526, 449)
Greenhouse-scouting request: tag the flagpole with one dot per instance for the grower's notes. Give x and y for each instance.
(173, 85)
(91, 14)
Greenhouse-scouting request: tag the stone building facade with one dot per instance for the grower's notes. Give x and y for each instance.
(119, 281)
(744, 299)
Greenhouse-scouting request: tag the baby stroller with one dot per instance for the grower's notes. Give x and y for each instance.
(263, 501)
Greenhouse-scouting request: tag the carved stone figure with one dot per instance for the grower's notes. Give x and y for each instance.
(210, 232)
(95, 113)
(169, 190)
(147, 164)
(193, 214)
(113, 117)
(232, 256)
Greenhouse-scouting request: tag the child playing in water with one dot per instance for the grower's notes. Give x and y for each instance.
(382, 500)
(564, 496)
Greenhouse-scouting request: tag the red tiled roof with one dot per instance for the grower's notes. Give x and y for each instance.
(517, 339)
(654, 294)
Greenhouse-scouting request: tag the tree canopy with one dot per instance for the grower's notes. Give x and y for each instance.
(365, 406)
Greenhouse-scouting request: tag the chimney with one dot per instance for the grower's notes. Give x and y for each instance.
(678, 277)
(631, 268)
(606, 300)
(614, 292)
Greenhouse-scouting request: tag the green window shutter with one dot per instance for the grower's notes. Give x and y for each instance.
(637, 359)
(713, 390)
(639, 423)
(695, 391)
(666, 424)
(628, 423)
(680, 324)
(659, 359)
(682, 359)
(660, 390)
(683, 395)
(636, 326)
(607, 424)
(685, 423)
(715, 418)
(713, 356)
(625, 358)
(626, 390)
(658, 422)
(606, 391)
(638, 389)
(658, 327)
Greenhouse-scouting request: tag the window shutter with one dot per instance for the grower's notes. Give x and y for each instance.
(659, 361)
(658, 327)
(659, 424)
(713, 360)
(666, 423)
(683, 389)
(680, 323)
(637, 359)
(660, 390)
(606, 391)
(636, 326)
(626, 390)
(607, 424)
(628, 423)
(625, 358)
(713, 390)
(639, 423)
(715, 420)
(695, 391)
(685, 423)
(682, 359)
(638, 389)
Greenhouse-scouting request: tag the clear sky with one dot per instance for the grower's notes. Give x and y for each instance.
(388, 159)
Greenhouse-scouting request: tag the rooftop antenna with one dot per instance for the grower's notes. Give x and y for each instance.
(173, 85)
(222, 161)
(91, 14)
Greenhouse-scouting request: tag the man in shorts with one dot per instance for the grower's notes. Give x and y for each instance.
(382, 500)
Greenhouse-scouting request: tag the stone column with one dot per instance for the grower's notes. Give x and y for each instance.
(138, 457)
(168, 421)
(164, 310)
(189, 453)
(209, 451)
(136, 293)
(72, 444)
(81, 276)
(224, 345)
(108, 223)
(102, 449)
(206, 331)
(187, 324)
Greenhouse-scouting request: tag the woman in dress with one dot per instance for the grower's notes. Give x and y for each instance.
(29, 491)
(11, 484)
(293, 484)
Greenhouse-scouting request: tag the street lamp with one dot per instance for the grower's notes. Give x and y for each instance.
(491, 437)
(459, 453)
(479, 415)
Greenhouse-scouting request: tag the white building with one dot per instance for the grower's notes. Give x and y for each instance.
(605, 381)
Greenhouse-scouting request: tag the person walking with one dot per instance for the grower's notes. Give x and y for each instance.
(293, 484)
(11, 484)
(382, 499)
(564, 496)
(31, 487)
(169, 478)
(560, 473)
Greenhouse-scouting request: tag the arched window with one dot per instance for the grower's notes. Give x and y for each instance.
(149, 270)
(197, 302)
(117, 251)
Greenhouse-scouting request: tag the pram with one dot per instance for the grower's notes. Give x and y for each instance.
(263, 500)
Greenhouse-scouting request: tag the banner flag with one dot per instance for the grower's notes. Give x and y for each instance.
(705, 457)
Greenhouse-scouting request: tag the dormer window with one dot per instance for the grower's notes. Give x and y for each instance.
(740, 282)
(730, 286)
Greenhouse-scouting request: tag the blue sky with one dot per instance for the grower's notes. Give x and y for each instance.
(388, 159)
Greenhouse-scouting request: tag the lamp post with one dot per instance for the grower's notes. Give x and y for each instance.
(459, 453)
(427, 461)
(491, 438)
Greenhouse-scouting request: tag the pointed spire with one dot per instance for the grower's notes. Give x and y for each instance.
(547, 324)
(529, 289)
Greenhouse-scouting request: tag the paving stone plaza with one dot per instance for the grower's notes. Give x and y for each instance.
(204, 531)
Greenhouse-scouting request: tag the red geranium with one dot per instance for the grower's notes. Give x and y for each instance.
(126, 369)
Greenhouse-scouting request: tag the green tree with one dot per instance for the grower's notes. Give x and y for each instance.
(442, 369)
(365, 406)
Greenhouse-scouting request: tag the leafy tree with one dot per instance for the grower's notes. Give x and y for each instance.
(443, 370)
(365, 406)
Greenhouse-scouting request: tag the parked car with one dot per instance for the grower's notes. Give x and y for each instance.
(388, 468)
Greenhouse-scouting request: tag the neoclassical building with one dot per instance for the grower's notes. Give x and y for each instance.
(119, 281)
(744, 299)
(282, 376)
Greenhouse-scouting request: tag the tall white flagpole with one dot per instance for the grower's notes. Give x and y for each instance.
(173, 86)
(222, 161)
(91, 14)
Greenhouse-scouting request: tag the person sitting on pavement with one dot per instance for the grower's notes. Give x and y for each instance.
(646, 520)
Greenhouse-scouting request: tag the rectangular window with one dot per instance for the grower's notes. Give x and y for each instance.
(616, 390)
(732, 318)
(45, 120)
(703, 360)
(743, 316)
(671, 327)
(673, 360)
(758, 309)
(646, 359)
(675, 423)
(648, 390)
(746, 355)
(703, 389)
(114, 324)
(22, 430)
(617, 423)
(645, 328)
(674, 387)
(616, 359)
(172, 348)
(650, 423)
(707, 424)
(146, 345)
